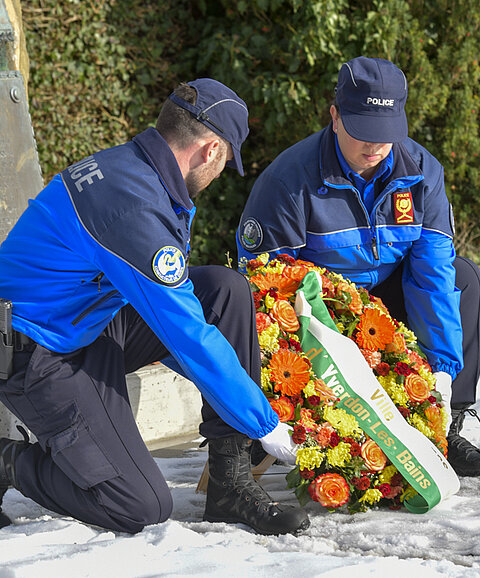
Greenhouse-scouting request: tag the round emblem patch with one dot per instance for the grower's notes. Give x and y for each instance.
(252, 234)
(169, 264)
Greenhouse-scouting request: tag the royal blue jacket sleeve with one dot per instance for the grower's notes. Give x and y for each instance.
(176, 317)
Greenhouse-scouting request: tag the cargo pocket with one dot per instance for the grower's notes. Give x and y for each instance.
(77, 453)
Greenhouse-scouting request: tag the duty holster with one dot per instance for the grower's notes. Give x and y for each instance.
(6, 339)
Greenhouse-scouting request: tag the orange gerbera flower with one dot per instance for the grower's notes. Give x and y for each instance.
(289, 372)
(355, 305)
(375, 330)
(283, 285)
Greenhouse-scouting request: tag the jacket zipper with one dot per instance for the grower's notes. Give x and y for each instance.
(89, 309)
(372, 227)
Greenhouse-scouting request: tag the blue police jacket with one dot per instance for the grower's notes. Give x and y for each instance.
(114, 229)
(303, 205)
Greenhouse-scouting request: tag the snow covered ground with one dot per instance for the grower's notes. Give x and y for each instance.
(443, 542)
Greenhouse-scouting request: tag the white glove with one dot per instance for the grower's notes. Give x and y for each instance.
(278, 443)
(444, 386)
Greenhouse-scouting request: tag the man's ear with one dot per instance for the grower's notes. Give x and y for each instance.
(334, 115)
(210, 150)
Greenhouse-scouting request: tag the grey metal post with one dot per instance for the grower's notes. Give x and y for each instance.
(20, 173)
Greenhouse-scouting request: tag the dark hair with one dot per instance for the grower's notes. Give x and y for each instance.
(176, 125)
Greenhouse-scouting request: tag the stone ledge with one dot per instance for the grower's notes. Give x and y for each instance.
(166, 407)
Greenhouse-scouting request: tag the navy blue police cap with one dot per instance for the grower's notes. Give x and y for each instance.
(222, 111)
(371, 94)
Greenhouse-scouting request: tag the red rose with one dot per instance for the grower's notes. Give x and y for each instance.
(296, 399)
(299, 434)
(334, 439)
(385, 489)
(314, 400)
(257, 299)
(295, 345)
(403, 368)
(307, 474)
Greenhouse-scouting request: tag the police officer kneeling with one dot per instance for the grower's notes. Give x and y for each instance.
(96, 270)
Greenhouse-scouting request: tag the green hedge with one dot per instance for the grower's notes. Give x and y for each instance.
(100, 70)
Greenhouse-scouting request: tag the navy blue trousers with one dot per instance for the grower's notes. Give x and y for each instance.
(90, 461)
(468, 281)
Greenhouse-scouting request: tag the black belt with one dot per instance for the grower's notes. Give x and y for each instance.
(22, 342)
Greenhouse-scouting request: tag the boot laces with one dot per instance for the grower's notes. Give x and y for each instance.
(472, 412)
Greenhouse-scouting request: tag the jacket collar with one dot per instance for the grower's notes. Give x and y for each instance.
(162, 159)
(404, 167)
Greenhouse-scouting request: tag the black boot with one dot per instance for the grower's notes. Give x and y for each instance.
(463, 456)
(9, 451)
(234, 496)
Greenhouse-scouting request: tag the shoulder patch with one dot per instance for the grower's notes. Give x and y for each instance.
(403, 206)
(251, 236)
(169, 264)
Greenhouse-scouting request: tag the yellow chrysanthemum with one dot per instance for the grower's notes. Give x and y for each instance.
(339, 456)
(277, 268)
(371, 496)
(410, 336)
(396, 392)
(419, 423)
(309, 389)
(444, 414)
(269, 302)
(268, 339)
(264, 257)
(344, 423)
(265, 377)
(387, 474)
(427, 376)
(309, 458)
(340, 327)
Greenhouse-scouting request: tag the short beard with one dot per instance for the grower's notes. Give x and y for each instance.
(198, 179)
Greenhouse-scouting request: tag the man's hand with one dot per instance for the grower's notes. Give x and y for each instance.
(444, 386)
(278, 443)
